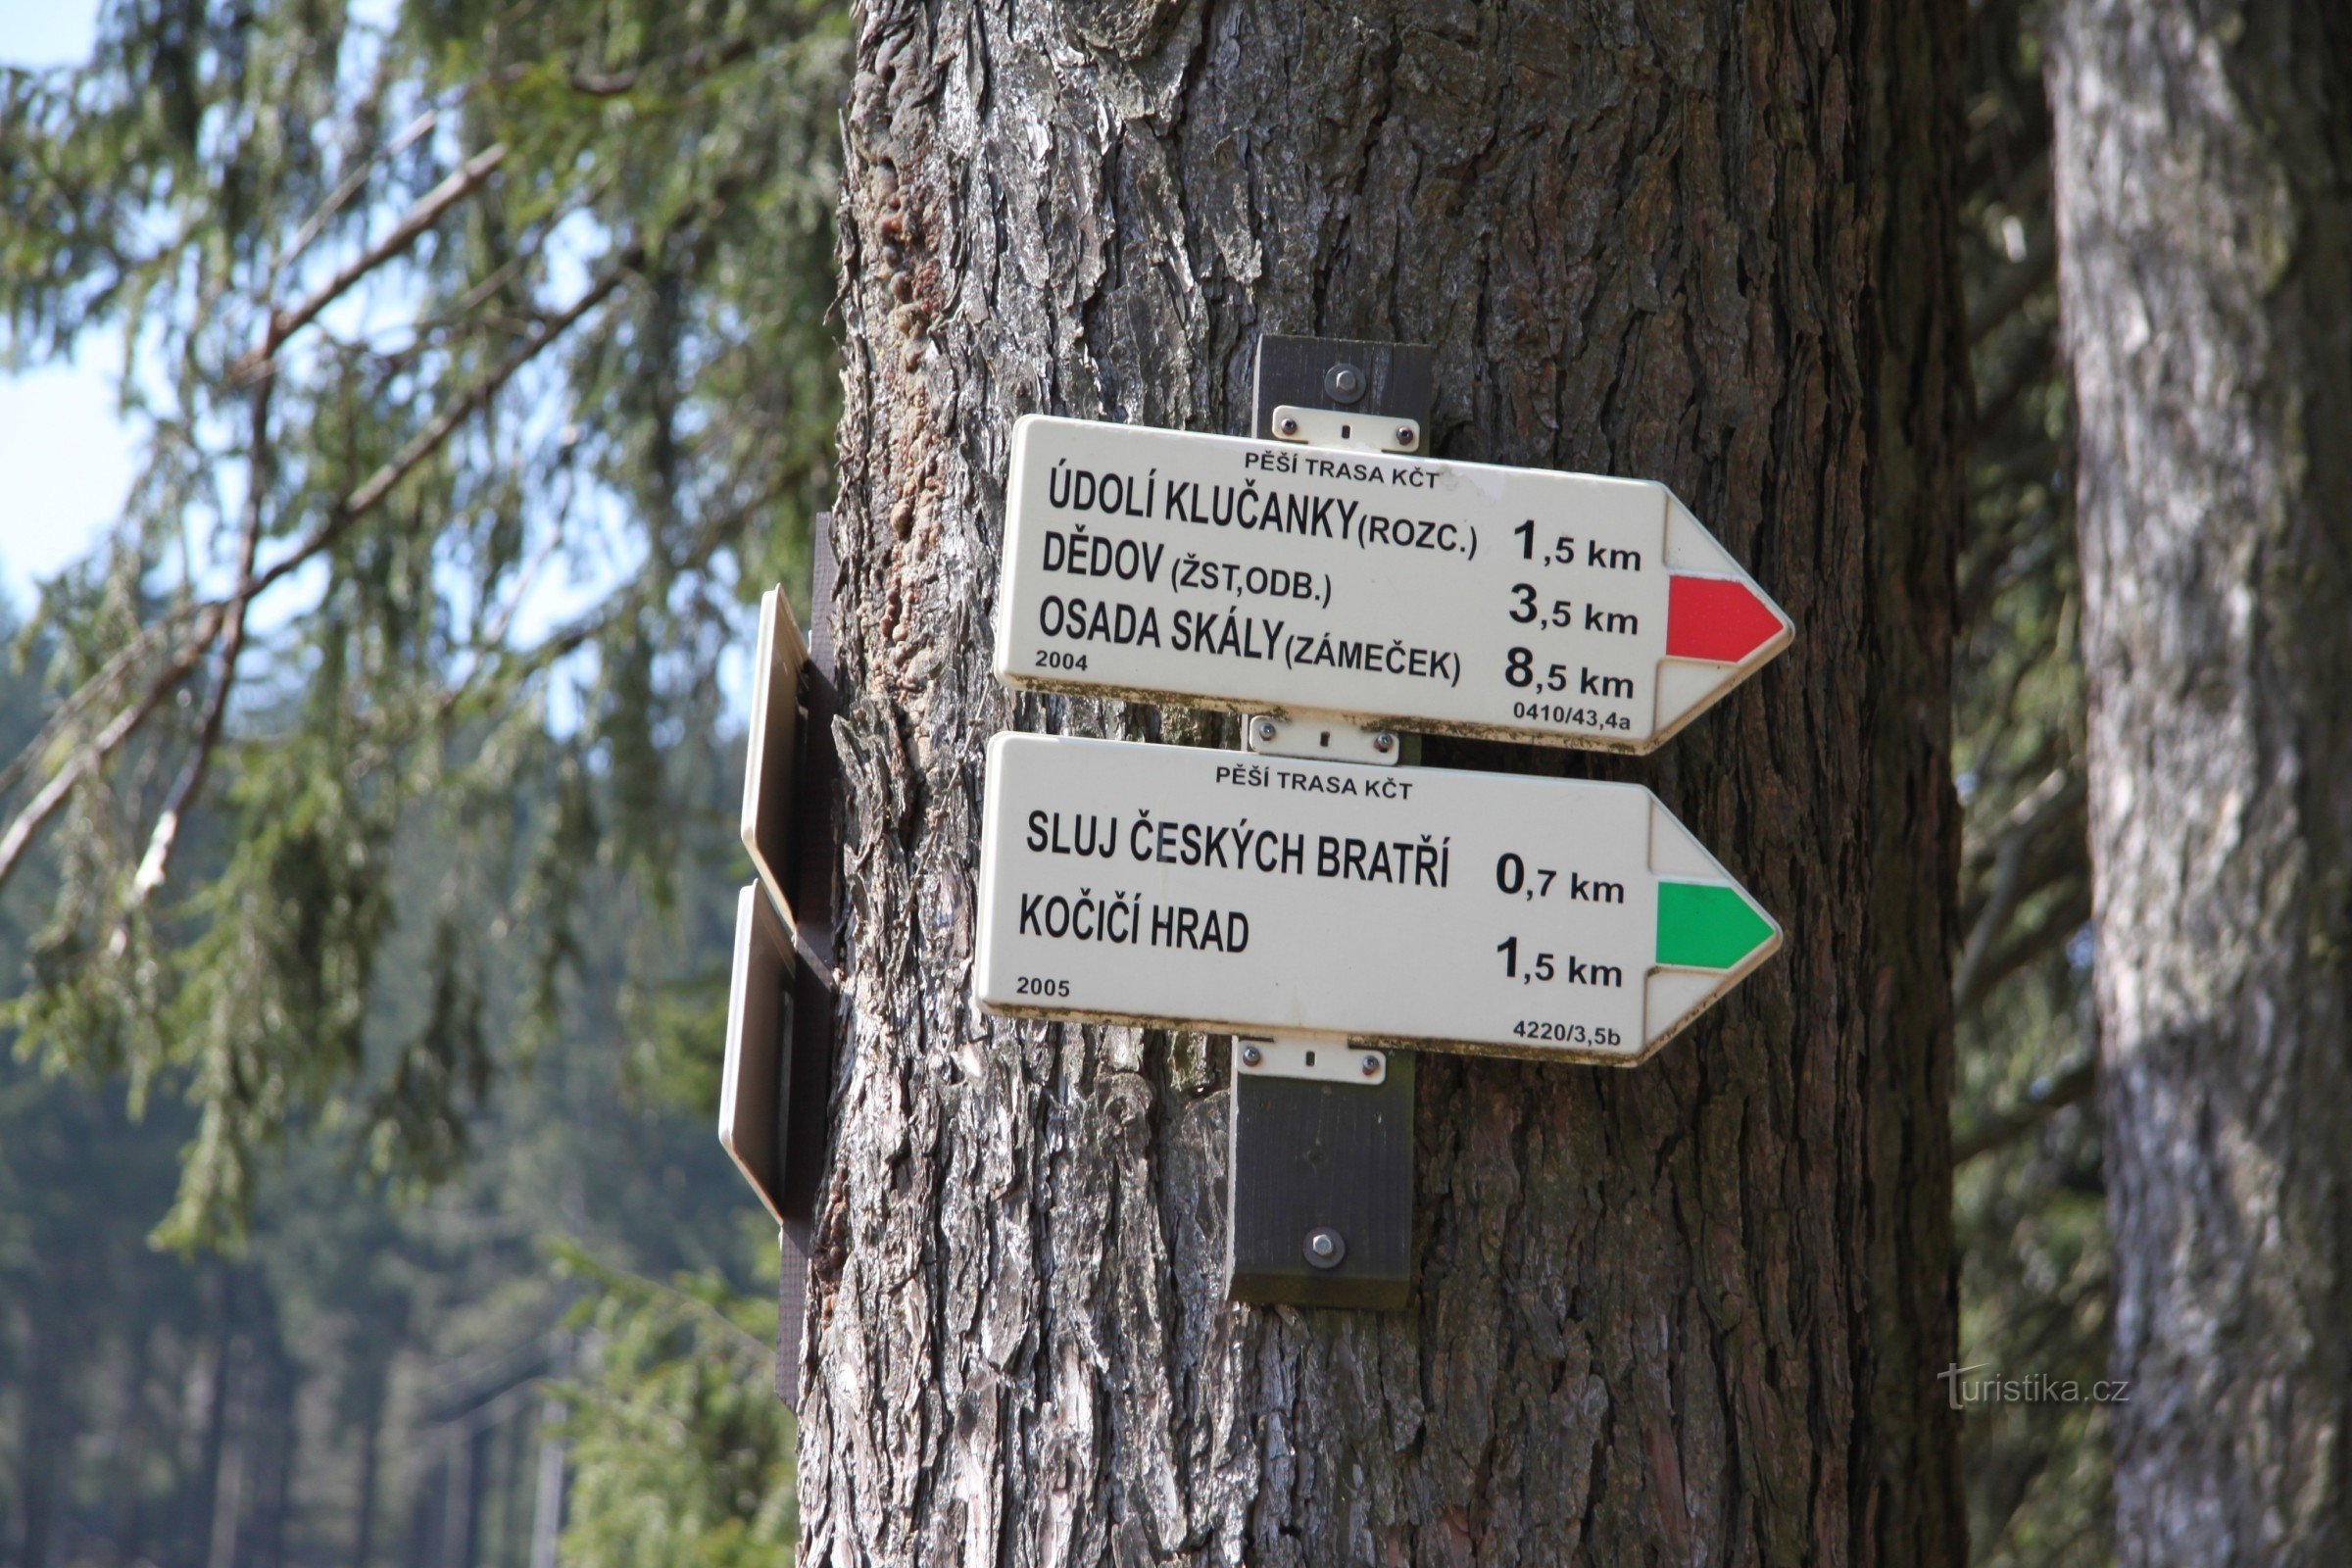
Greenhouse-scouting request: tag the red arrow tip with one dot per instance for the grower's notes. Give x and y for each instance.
(1717, 618)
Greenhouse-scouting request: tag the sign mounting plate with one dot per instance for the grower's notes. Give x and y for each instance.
(1411, 592)
(1503, 914)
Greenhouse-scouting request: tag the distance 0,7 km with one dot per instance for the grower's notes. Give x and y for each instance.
(1564, 1034)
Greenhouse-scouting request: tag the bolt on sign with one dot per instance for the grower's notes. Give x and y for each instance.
(1413, 593)
(1504, 913)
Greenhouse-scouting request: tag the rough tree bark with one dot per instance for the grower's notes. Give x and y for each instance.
(1692, 1312)
(2204, 198)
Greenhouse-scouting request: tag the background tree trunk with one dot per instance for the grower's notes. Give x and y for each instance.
(46, 1427)
(2204, 196)
(369, 1418)
(281, 1445)
(1690, 1312)
(220, 1383)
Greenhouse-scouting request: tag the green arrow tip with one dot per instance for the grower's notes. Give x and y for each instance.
(1707, 925)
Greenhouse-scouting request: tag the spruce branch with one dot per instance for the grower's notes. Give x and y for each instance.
(356, 182)
(216, 615)
(87, 759)
(156, 865)
(2046, 1098)
(91, 692)
(700, 61)
(283, 325)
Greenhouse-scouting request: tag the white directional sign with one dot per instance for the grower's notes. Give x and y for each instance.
(1409, 593)
(754, 1088)
(767, 768)
(1497, 912)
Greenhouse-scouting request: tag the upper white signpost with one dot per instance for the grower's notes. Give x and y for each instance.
(1494, 912)
(1402, 592)
(768, 749)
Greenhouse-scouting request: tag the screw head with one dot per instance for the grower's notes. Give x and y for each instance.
(1407, 436)
(1325, 1247)
(1371, 1065)
(1288, 425)
(1384, 743)
(1345, 384)
(1266, 730)
(1252, 1055)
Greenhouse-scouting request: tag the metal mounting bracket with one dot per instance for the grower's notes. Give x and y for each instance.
(1320, 1167)
(1322, 738)
(1387, 382)
(1319, 1174)
(1347, 429)
(1316, 1058)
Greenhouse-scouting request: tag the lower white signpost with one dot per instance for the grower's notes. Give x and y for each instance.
(1197, 889)
(754, 1088)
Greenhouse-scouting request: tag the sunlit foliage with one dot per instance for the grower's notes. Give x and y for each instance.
(480, 358)
(684, 1453)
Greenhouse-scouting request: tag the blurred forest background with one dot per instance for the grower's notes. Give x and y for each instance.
(363, 897)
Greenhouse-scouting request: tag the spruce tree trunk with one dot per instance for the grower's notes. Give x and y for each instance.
(44, 1431)
(371, 1444)
(1692, 1312)
(219, 1390)
(2204, 198)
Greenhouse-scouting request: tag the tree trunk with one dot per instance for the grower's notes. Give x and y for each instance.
(1693, 1311)
(229, 1480)
(2204, 196)
(428, 1511)
(219, 1389)
(281, 1437)
(463, 1534)
(127, 1466)
(371, 1484)
(516, 1478)
(44, 1431)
